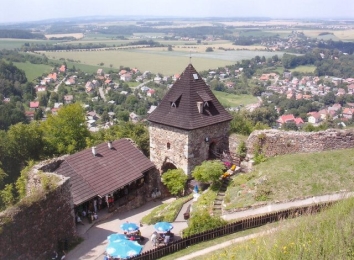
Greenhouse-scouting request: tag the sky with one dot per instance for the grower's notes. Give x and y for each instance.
(35, 10)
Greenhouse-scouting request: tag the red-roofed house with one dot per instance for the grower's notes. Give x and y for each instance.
(286, 119)
(53, 76)
(150, 92)
(314, 117)
(299, 122)
(62, 68)
(29, 115)
(34, 104)
(348, 112)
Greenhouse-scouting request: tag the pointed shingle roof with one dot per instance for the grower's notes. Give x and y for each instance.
(179, 107)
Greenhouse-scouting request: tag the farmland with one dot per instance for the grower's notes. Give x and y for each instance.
(158, 60)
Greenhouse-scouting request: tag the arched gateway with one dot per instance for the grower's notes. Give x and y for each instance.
(189, 126)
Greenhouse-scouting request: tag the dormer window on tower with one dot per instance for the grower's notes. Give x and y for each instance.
(174, 100)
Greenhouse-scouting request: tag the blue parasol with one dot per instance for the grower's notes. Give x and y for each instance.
(163, 226)
(129, 227)
(116, 237)
(123, 249)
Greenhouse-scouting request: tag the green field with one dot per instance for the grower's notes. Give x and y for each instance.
(33, 71)
(232, 100)
(159, 61)
(304, 69)
(18, 43)
(293, 176)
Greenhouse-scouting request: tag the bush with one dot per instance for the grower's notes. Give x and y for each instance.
(208, 171)
(175, 180)
(202, 221)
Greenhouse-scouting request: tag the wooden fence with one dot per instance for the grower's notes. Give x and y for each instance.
(237, 226)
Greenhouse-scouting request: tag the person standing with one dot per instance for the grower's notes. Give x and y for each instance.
(107, 202)
(154, 239)
(95, 204)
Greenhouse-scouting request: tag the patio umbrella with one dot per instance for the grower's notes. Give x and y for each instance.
(116, 237)
(123, 249)
(129, 227)
(163, 227)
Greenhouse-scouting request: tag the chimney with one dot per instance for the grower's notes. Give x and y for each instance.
(110, 145)
(94, 150)
(200, 107)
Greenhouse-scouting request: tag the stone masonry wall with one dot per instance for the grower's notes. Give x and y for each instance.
(34, 227)
(276, 142)
(187, 148)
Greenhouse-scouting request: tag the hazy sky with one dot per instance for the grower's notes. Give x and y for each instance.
(34, 10)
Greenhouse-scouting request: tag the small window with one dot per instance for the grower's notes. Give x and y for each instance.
(173, 104)
(195, 76)
(206, 104)
(168, 146)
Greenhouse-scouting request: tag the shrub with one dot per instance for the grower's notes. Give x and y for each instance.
(208, 171)
(174, 180)
(202, 221)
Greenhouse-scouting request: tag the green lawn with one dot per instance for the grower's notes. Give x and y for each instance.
(304, 69)
(33, 71)
(293, 176)
(232, 100)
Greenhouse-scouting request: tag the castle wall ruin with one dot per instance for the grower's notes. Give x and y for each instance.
(276, 142)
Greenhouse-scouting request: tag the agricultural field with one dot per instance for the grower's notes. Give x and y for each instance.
(33, 71)
(7, 43)
(304, 69)
(75, 35)
(232, 100)
(343, 35)
(159, 60)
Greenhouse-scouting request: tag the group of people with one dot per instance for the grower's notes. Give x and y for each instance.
(157, 238)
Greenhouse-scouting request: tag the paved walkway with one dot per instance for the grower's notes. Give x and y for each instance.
(287, 205)
(95, 235)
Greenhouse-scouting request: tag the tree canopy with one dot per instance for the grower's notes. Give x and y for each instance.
(208, 171)
(66, 132)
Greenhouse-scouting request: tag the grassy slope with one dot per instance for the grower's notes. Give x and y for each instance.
(231, 100)
(33, 71)
(294, 176)
(304, 69)
(328, 235)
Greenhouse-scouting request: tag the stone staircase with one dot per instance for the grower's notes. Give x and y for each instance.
(217, 208)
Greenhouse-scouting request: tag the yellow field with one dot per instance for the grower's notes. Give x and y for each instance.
(75, 35)
(340, 34)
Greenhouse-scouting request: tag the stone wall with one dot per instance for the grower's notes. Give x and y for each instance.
(34, 227)
(276, 142)
(187, 148)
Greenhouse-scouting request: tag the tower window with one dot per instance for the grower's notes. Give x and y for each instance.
(168, 146)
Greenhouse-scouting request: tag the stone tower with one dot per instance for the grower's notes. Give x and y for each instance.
(189, 126)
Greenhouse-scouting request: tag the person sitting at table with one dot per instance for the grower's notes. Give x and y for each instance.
(166, 239)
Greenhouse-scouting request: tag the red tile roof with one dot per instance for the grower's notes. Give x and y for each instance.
(179, 106)
(34, 104)
(104, 173)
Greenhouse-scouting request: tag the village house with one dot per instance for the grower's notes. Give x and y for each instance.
(100, 72)
(34, 104)
(70, 81)
(134, 117)
(62, 69)
(348, 113)
(314, 117)
(150, 92)
(39, 88)
(29, 115)
(68, 99)
(286, 119)
(126, 77)
(89, 87)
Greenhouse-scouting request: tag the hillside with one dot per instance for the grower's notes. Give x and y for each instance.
(293, 176)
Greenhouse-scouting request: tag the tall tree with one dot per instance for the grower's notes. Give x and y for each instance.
(67, 131)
